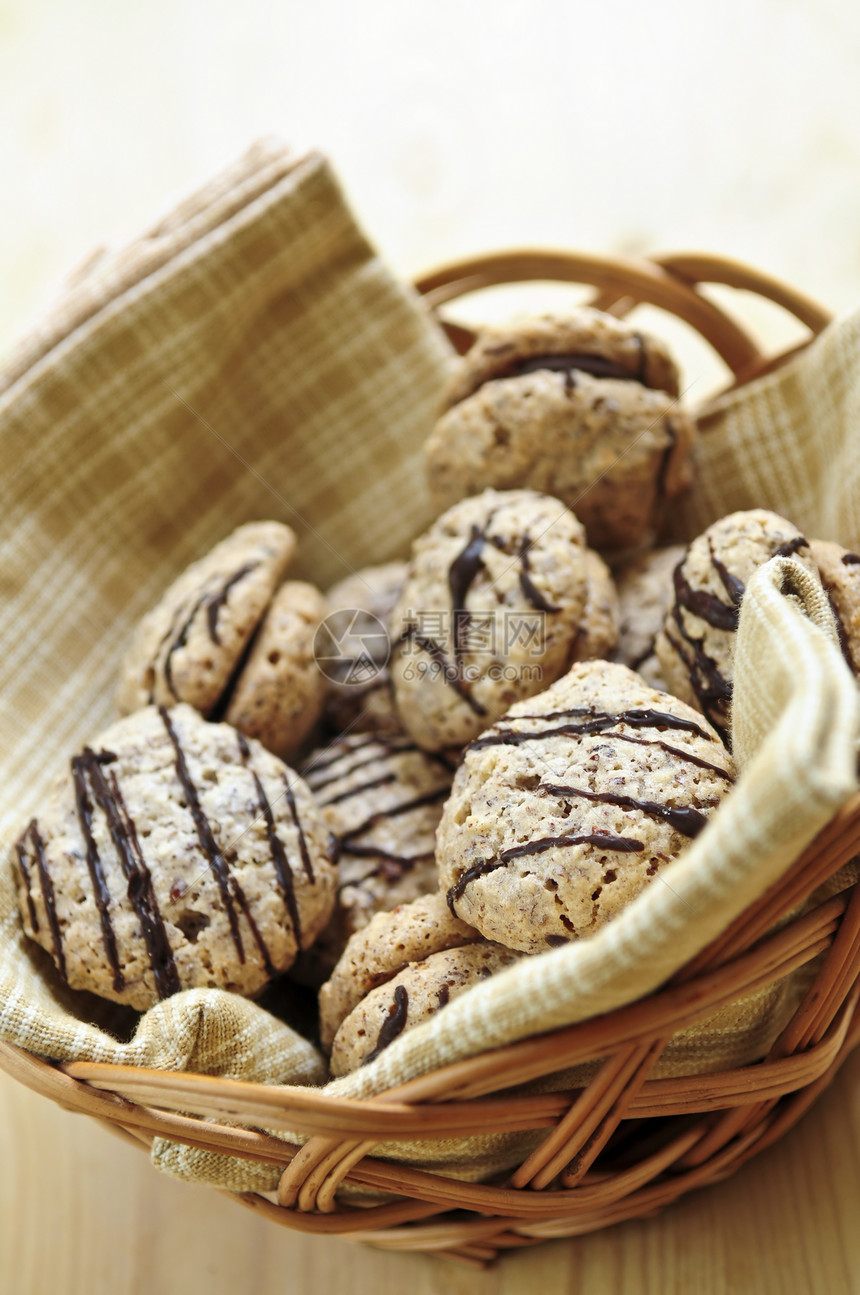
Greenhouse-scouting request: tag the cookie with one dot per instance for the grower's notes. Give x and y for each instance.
(382, 949)
(582, 407)
(174, 854)
(280, 693)
(840, 574)
(645, 594)
(359, 697)
(493, 600)
(381, 798)
(598, 631)
(412, 997)
(187, 647)
(565, 809)
(695, 647)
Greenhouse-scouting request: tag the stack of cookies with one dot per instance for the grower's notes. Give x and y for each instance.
(394, 790)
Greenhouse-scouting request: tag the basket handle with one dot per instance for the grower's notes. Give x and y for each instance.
(671, 281)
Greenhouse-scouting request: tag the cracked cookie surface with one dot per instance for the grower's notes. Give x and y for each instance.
(582, 407)
(696, 645)
(173, 854)
(386, 946)
(493, 601)
(411, 997)
(188, 646)
(567, 807)
(280, 692)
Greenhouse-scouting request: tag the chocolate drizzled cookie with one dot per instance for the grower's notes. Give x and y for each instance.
(397, 973)
(381, 797)
(359, 610)
(840, 574)
(581, 406)
(564, 809)
(695, 647)
(174, 854)
(381, 950)
(493, 602)
(230, 640)
(645, 594)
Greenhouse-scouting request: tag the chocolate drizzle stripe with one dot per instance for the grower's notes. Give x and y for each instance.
(790, 547)
(25, 877)
(597, 722)
(528, 586)
(354, 850)
(675, 751)
(567, 363)
(46, 887)
(620, 844)
(712, 689)
(242, 900)
(207, 842)
(514, 737)
(384, 780)
(335, 757)
(449, 672)
(391, 867)
(139, 889)
(395, 811)
(101, 894)
(214, 602)
(221, 706)
(606, 841)
(303, 845)
(684, 819)
(480, 869)
(393, 1024)
(732, 584)
(283, 871)
(319, 785)
(708, 607)
(178, 642)
(461, 576)
(666, 457)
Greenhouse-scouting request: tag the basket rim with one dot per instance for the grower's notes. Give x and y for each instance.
(672, 281)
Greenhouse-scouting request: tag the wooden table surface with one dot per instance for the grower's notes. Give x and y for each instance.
(82, 1212)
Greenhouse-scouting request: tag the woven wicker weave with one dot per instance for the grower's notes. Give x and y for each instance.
(626, 1144)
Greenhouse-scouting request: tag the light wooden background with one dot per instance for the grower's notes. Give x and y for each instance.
(81, 1213)
(456, 128)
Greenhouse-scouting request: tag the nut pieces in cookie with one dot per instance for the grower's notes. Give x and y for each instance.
(175, 854)
(580, 406)
(491, 607)
(397, 973)
(565, 809)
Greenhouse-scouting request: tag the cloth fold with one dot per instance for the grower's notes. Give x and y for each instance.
(251, 356)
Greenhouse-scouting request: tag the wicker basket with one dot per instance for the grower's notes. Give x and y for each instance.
(626, 1144)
